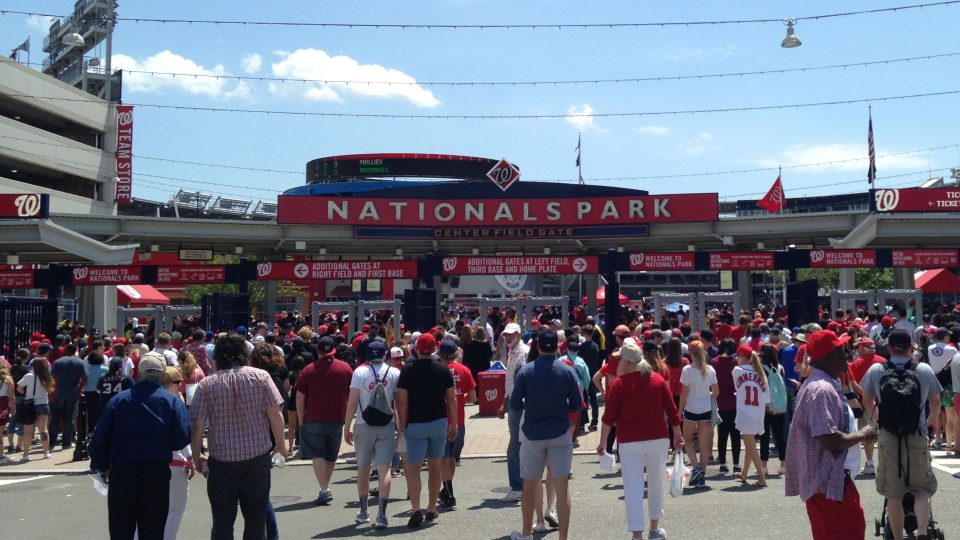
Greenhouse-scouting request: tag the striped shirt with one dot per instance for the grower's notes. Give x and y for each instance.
(821, 410)
(234, 404)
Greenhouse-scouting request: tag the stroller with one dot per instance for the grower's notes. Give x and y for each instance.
(882, 525)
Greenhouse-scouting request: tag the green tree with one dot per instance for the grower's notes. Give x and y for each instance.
(256, 289)
(866, 278)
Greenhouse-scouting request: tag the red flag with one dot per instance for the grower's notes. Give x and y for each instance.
(774, 201)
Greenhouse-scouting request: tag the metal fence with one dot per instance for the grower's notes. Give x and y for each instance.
(21, 317)
(224, 312)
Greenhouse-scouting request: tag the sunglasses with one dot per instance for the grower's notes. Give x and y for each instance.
(176, 381)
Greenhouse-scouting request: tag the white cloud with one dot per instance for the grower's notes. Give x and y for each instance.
(251, 63)
(40, 23)
(655, 131)
(704, 136)
(698, 146)
(582, 118)
(316, 64)
(169, 62)
(852, 156)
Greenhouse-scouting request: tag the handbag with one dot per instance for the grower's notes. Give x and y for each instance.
(853, 401)
(27, 412)
(714, 413)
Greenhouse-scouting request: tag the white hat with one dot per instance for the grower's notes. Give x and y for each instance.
(396, 352)
(512, 328)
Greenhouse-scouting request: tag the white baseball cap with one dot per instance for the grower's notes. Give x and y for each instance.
(396, 352)
(512, 328)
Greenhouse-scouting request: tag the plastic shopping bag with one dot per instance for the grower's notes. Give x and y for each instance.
(608, 464)
(679, 475)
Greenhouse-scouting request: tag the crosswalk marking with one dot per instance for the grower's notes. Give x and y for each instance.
(8, 481)
(949, 465)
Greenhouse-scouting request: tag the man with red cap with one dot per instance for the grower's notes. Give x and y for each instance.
(822, 433)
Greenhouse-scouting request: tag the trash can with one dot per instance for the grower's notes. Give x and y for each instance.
(491, 385)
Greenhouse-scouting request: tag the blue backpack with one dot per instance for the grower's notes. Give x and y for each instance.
(778, 391)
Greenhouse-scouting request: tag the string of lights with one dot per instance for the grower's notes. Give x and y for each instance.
(494, 26)
(529, 116)
(559, 82)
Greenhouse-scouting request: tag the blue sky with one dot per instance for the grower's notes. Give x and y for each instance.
(641, 146)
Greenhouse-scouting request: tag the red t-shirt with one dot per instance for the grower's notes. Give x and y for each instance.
(859, 367)
(737, 333)
(325, 385)
(673, 374)
(610, 368)
(721, 332)
(637, 405)
(463, 384)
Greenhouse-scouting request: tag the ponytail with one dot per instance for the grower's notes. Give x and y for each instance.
(755, 362)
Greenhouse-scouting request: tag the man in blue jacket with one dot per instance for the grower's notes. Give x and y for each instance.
(548, 392)
(133, 441)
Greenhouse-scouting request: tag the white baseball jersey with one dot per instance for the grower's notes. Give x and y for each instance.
(752, 398)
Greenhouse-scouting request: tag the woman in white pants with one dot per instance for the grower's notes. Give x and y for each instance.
(181, 467)
(640, 404)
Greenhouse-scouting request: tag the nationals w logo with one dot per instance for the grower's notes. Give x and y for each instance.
(887, 199)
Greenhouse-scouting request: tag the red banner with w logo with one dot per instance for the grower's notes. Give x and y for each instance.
(775, 200)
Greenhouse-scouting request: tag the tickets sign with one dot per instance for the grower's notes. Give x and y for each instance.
(547, 264)
(267, 271)
(191, 275)
(843, 258)
(24, 206)
(16, 279)
(663, 261)
(741, 260)
(925, 258)
(107, 275)
(621, 210)
(916, 200)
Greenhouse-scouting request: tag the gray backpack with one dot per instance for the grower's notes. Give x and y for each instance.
(378, 412)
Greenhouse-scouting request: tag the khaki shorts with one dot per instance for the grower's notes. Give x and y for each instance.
(864, 420)
(915, 454)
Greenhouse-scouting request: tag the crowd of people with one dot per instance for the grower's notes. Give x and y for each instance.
(230, 405)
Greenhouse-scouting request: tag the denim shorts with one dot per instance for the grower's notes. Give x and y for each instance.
(455, 447)
(426, 440)
(43, 409)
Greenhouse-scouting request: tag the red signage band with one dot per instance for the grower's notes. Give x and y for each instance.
(843, 258)
(107, 275)
(270, 271)
(546, 264)
(191, 275)
(925, 258)
(662, 261)
(321, 210)
(741, 260)
(24, 206)
(16, 279)
(917, 200)
(124, 155)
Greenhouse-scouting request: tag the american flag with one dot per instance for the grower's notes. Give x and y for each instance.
(872, 170)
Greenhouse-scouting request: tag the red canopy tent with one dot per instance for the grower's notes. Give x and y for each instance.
(602, 297)
(940, 281)
(141, 295)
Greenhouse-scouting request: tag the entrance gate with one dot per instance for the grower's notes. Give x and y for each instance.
(162, 315)
(662, 299)
(316, 308)
(533, 302)
(21, 317)
(224, 312)
(902, 294)
(841, 299)
(363, 306)
(516, 303)
(732, 298)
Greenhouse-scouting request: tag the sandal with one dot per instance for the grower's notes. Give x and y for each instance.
(759, 484)
(742, 477)
(430, 516)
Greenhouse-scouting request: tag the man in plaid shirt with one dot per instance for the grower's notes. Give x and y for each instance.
(241, 407)
(822, 432)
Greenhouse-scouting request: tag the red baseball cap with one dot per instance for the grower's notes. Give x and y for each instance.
(744, 350)
(865, 342)
(821, 343)
(426, 344)
(886, 321)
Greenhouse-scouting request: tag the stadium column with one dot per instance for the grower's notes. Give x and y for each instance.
(848, 282)
(610, 265)
(270, 303)
(745, 286)
(903, 278)
(103, 299)
(590, 285)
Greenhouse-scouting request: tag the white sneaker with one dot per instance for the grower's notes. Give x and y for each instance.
(868, 469)
(539, 527)
(517, 535)
(551, 519)
(658, 534)
(512, 496)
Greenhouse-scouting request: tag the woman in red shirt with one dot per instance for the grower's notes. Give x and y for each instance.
(675, 364)
(640, 404)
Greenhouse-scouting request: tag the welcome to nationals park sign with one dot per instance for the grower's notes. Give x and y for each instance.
(23, 277)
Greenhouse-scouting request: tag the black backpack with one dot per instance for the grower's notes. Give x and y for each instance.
(900, 401)
(378, 412)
